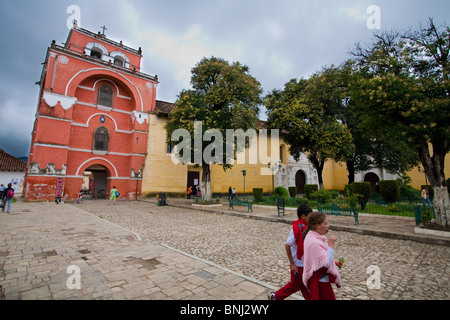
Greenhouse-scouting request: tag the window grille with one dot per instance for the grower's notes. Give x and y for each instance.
(101, 139)
(105, 96)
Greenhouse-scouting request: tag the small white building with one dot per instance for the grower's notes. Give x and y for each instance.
(12, 170)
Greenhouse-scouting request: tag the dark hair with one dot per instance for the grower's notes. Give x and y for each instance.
(303, 209)
(315, 218)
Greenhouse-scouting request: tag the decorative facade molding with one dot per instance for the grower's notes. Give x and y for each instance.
(52, 100)
(136, 175)
(140, 117)
(50, 170)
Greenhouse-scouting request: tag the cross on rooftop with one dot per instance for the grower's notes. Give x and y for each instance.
(104, 28)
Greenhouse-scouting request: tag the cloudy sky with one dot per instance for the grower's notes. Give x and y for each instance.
(278, 40)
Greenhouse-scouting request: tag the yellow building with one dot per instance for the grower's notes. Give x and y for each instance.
(419, 178)
(162, 175)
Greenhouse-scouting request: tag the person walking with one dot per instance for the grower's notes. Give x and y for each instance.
(294, 251)
(319, 266)
(2, 189)
(7, 197)
(114, 194)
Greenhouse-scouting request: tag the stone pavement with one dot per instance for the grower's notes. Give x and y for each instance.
(137, 250)
(42, 245)
(394, 227)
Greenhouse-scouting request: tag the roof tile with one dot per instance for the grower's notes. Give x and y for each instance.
(10, 163)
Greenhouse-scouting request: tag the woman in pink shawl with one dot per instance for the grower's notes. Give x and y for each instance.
(319, 266)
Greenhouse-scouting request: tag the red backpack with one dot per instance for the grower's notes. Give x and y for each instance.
(298, 227)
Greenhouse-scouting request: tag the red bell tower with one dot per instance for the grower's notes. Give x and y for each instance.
(92, 116)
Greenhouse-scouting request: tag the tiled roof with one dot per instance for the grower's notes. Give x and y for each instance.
(10, 163)
(164, 107)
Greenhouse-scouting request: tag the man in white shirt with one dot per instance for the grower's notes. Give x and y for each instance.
(294, 251)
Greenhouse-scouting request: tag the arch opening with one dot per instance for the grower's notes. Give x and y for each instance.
(95, 182)
(300, 181)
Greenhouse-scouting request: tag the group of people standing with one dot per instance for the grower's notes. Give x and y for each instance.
(311, 257)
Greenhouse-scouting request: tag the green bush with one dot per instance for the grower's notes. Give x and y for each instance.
(267, 200)
(309, 189)
(348, 189)
(293, 202)
(292, 191)
(363, 190)
(407, 193)
(257, 194)
(426, 215)
(389, 190)
(301, 201)
(281, 192)
(324, 196)
(313, 204)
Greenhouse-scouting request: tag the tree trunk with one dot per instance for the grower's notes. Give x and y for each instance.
(319, 174)
(205, 184)
(434, 169)
(351, 171)
(318, 164)
(441, 204)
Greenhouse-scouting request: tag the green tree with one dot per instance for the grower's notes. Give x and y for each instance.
(341, 79)
(371, 150)
(305, 112)
(223, 96)
(406, 91)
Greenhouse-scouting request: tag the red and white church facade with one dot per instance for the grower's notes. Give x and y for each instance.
(92, 116)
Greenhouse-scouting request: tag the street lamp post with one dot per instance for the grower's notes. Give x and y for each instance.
(274, 168)
(271, 169)
(244, 173)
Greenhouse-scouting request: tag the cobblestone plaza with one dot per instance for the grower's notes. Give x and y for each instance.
(137, 250)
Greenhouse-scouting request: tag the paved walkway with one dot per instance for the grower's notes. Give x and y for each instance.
(46, 250)
(43, 246)
(394, 227)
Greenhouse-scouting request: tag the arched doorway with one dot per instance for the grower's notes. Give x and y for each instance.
(372, 178)
(300, 180)
(98, 176)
